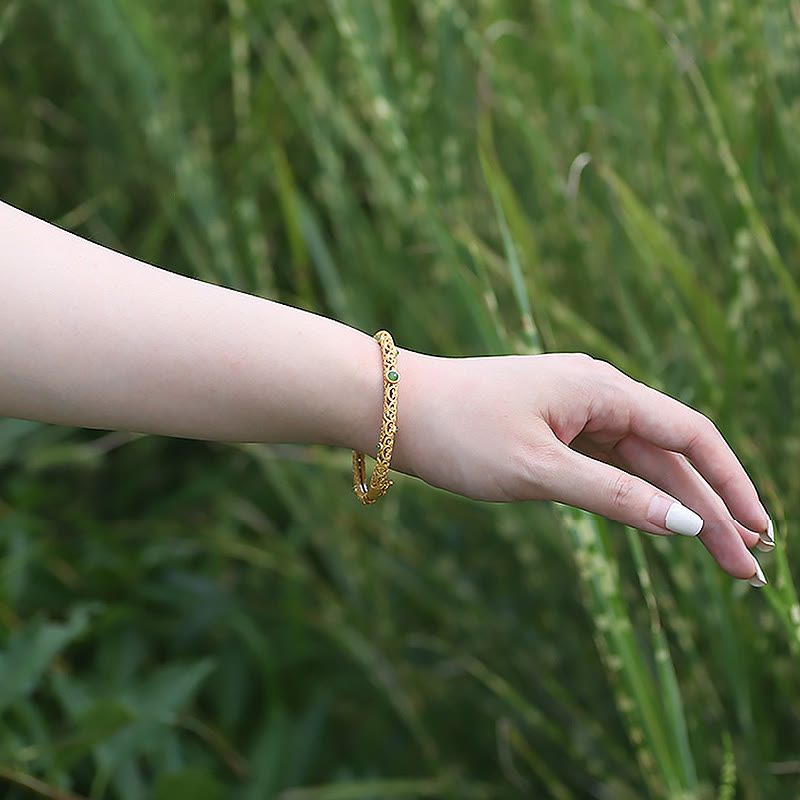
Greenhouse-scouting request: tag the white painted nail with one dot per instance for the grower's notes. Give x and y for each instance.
(759, 579)
(768, 538)
(765, 547)
(683, 520)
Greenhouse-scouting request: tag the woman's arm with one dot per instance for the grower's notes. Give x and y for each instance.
(93, 338)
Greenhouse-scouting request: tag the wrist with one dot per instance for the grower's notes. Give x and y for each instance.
(415, 395)
(360, 429)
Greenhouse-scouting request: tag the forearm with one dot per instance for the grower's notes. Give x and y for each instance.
(93, 338)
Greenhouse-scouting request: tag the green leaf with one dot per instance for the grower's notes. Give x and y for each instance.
(169, 689)
(13, 433)
(94, 726)
(189, 784)
(660, 252)
(28, 653)
(367, 790)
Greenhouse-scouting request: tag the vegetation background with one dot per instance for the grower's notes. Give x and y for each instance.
(190, 620)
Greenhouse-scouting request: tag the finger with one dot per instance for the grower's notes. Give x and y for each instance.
(726, 539)
(604, 489)
(670, 425)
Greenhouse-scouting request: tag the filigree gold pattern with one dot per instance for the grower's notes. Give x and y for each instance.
(379, 483)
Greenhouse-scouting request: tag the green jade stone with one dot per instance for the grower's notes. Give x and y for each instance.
(392, 376)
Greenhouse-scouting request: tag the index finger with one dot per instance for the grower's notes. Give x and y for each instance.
(671, 425)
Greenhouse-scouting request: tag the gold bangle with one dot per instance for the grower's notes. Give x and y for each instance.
(379, 483)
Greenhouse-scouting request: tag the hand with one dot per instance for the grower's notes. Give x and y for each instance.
(575, 430)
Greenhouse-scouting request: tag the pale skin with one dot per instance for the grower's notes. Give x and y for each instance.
(93, 338)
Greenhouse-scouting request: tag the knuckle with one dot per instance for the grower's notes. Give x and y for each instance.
(604, 366)
(725, 483)
(534, 466)
(703, 430)
(620, 491)
(549, 454)
(605, 372)
(707, 424)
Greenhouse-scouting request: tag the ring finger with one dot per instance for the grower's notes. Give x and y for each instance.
(725, 538)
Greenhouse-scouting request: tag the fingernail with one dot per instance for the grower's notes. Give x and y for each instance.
(764, 547)
(759, 579)
(682, 520)
(767, 538)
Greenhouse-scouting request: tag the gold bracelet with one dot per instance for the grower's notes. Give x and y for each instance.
(379, 483)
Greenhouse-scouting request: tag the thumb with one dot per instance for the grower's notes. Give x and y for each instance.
(603, 489)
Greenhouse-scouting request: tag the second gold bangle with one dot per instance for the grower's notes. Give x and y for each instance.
(379, 483)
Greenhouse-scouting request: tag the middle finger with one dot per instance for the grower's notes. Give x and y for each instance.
(725, 538)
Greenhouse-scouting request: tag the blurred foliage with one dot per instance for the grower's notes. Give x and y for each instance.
(193, 620)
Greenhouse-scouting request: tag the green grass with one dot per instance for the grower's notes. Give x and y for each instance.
(183, 619)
